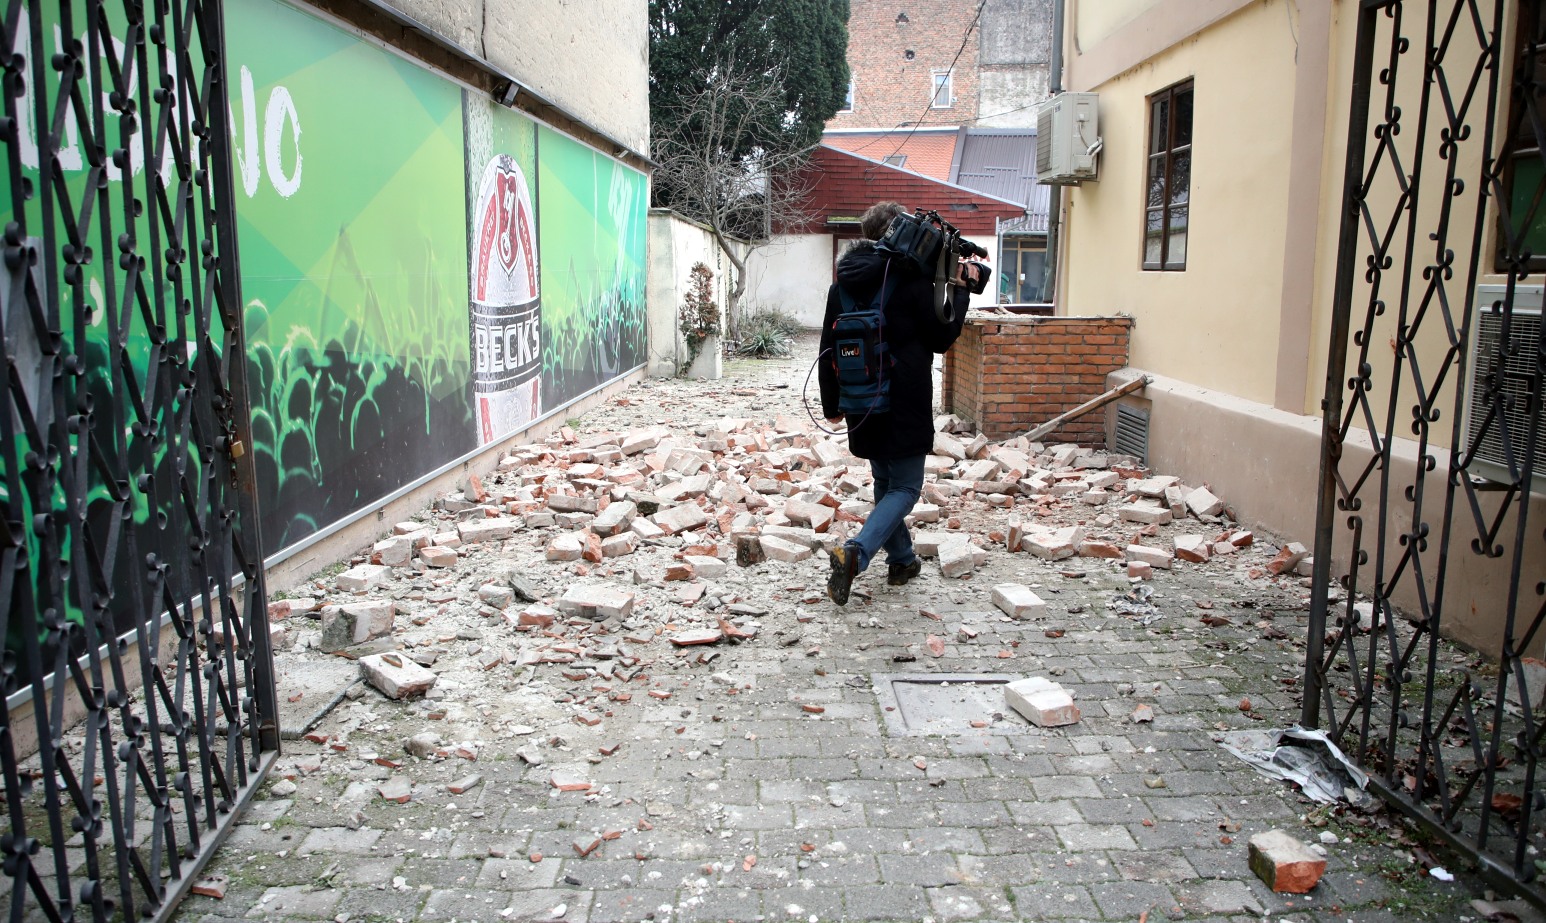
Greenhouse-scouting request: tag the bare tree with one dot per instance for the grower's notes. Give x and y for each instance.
(727, 158)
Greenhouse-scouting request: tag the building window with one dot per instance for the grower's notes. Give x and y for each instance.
(942, 98)
(1022, 270)
(894, 160)
(1166, 210)
(848, 101)
(1523, 229)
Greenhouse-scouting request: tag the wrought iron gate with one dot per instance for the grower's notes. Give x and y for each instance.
(138, 710)
(1433, 426)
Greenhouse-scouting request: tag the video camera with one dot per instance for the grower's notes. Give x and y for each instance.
(935, 246)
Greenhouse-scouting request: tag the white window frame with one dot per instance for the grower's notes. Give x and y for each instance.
(848, 103)
(943, 83)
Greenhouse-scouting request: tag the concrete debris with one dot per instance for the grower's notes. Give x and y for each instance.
(539, 546)
(592, 579)
(364, 578)
(608, 634)
(398, 789)
(355, 623)
(396, 676)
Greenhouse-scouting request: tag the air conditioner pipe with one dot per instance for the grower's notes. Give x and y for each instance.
(1055, 201)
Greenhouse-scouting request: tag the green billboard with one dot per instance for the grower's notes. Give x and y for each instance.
(424, 270)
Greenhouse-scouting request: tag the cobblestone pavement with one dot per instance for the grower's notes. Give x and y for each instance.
(778, 780)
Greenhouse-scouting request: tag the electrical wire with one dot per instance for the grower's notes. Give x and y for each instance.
(891, 131)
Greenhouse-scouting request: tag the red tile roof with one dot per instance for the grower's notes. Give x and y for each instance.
(929, 153)
(842, 185)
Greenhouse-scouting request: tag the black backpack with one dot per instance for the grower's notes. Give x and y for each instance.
(859, 354)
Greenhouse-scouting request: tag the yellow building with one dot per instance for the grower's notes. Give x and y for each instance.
(1216, 223)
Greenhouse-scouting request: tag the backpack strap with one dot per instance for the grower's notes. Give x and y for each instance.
(849, 303)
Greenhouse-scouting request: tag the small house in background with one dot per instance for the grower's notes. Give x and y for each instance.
(794, 271)
(999, 162)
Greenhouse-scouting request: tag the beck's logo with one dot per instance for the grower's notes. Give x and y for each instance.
(513, 226)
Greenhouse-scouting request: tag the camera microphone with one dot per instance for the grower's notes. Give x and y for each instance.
(967, 248)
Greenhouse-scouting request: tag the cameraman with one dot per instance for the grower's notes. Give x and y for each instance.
(895, 442)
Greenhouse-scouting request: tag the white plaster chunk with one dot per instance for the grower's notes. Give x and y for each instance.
(1193, 548)
(1056, 545)
(1017, 601)
(396, 676)
(488, 530)
(1145, 513)
(1042, 702)
(680, 518)
(1202, 502)
(957, 559)
(363, 578)
(1154, 557)
(614, 519)
(597, 602)
(707, 567)
(782, 549)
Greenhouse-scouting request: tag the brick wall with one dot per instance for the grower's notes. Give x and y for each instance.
(891, 90)
(1007, 376)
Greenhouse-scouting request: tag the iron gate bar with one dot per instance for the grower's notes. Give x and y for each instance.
(130, 504)
(1407, 758)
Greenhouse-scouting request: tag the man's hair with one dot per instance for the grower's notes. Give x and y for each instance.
(877, 218)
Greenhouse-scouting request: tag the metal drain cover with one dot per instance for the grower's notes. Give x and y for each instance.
(918, 704)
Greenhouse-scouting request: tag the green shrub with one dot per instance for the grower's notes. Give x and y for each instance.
(767, 333)
(699, 315)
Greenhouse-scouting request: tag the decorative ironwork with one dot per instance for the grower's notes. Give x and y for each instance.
(138, 710)
(1433, 426)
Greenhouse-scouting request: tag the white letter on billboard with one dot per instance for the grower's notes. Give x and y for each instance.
(281, 109)
(247, 153)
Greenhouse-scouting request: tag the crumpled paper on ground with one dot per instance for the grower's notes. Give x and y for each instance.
(1305, 757)
(1135, 604)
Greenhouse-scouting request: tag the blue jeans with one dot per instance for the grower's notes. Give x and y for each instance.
(898, 482)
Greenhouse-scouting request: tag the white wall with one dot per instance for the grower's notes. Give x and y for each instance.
(675, 246)
(794, 272)
(792, 275)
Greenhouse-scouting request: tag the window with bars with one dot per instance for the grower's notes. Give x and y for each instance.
(1167, 204)
(1522, 231)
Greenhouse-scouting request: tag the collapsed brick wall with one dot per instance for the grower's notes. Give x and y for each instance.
(1008, 375)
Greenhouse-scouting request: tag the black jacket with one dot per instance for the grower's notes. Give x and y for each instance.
(912, 335)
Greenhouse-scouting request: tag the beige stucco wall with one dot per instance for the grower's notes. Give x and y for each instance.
(1236, 399)
(589, 57)
(1265, 462)
(1216, 323)
(1095, 20)
(1432, 342)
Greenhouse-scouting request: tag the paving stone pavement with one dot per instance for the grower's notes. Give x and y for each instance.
(774, 785)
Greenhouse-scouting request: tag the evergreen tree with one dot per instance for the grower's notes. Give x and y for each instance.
(739, 93)
(803, 44)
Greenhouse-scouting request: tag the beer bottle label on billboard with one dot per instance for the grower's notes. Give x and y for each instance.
(506, 303)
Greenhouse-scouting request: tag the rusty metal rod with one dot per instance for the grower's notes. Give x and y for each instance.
(1092, 404)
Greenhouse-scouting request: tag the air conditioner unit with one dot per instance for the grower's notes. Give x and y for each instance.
(1519, 382)
(1067, 139)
